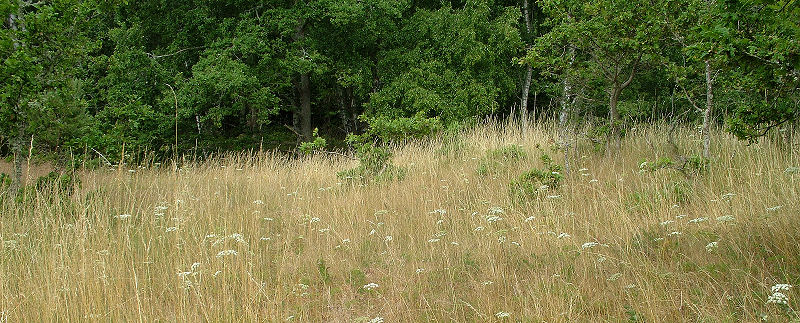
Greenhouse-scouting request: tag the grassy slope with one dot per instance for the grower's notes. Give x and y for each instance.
(307, 243)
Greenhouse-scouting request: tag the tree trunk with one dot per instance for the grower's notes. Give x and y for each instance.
(18, 146)
(613, 116)
(523, 111)
(305, 106)
(564, 115)
(707, 113)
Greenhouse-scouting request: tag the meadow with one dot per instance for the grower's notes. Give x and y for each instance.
(263, 237)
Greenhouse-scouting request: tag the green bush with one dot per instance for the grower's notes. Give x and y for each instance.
(497, 159)
(535, 181)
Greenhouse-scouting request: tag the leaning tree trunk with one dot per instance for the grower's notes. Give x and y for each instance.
(707, 112)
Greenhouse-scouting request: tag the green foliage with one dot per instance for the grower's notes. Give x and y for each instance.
(538, 180)
(318, 143)
(374, 162)
(398, 130)
(688, 166)
(500, 158)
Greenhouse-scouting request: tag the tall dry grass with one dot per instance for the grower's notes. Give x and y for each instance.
(265, 238)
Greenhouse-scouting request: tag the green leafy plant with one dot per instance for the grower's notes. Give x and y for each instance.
(537, 180)
(318, 143)
(497, 159)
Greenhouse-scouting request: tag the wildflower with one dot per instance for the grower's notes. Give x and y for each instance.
(778, 298)
(658, 239)
(217, 273)
(388, 238)
(438, 211)
(501, 239)
(501, 315)
(554, 197)
(237, 237)
(563, 235)
(774, 208)
(370, 286)
(583, 170)
(711, 246)
(372, 232)
(780, 287)
(530, 218)
(123, 216)
(516, 243)
(590, 244)
(674, 233)
(10, 244)
(345, 240)
(433, 240)
(681, 216)
(324, 230)
(268, 219)
(439, 222)
(727, 196)
(170, 229)
(314, 220)
(487, 282)
(258, 202)
(478, 229)
(493, 218)
(725, 218)
(229, 252)
(667, 222)
(420, 270)
(454, 243)
(377, 319)
(593, 181)
(496, 210)
(792, 170)
(614, 277)
(698, 220)
(265, 239)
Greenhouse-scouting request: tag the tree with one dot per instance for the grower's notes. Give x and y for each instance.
(42, 50)
(613, 39)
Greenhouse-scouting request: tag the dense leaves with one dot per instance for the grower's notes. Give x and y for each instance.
(95, 76)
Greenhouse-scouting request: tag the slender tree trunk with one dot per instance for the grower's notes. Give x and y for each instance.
(613, 116)
(523, 111)
(563, 116)
(305, 106)
(18, 141)
(707, 113)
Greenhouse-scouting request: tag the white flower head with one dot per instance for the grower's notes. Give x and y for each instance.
(781, 287)
(123, 216)
(501, 315)
(778, 298)
(258, 202)
(711, 246)
(229, 252)
(377, 319)
(370, 286)
(589, 244)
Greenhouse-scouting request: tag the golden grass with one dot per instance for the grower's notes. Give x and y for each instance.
(307, 243)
